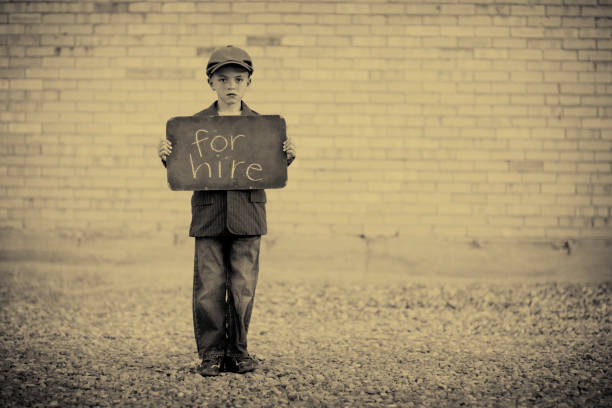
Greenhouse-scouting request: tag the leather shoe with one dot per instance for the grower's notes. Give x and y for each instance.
(240, 365)
(210, 367)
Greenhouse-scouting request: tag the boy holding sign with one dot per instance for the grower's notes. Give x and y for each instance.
(227, 226)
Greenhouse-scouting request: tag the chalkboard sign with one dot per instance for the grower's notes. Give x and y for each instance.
(226, 152)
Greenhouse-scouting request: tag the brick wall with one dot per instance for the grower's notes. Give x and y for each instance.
(485, 119)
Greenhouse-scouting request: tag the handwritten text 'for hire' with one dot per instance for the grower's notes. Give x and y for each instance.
(207, 146)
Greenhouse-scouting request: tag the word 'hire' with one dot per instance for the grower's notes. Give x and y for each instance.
(215, 146)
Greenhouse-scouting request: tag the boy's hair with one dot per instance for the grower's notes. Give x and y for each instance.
(229, 55)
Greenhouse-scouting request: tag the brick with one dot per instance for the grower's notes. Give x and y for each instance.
(577, 156)
(424, 31)
(541, 221)
(577, 88)
(602, 200)
(528, 32)
(603, 156)
(440, 21)
(593, 167)
(531, 10)
(458, 9)
(179, 7)
(580, 112)
(58, 18)
(299, 18)
(144, 29)
(600, 12)
(599, 77)
(543, 21)
(368, 41)
(544, 156)
(544, 44)
(151, 18)
(455, 209)
(333, 19)
(352, 8)
(25, 18)
(490, 53)
(454, 188)
(593, 55)
(561, 77)
(422, 9)
(525, 54)
(524, 210)
(26, 84)
(490, 9)
(537, 100)
(318, 7)
(597, 123)
(76, 29)
(558, 189)
(526, 76)
(579, 44)
(143, 7)
(284, 7)
(594, 32)
(538, 178)
(471, 41)
(601, 44)
(391, 9)
(265, 18)
(570, 21)
(492, 32)
(560, 55)
(440, 42)
(574, 200)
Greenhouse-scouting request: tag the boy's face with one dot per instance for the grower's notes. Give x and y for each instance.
(230, 83)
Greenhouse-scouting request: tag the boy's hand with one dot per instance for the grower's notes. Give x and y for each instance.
(164, 148)
(289, 148)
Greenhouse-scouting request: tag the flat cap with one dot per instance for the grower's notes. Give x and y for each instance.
(228, 55)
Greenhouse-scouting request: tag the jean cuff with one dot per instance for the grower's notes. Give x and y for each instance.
(211, 355)
(237, 355)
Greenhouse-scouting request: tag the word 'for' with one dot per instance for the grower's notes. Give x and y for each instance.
(218, 145)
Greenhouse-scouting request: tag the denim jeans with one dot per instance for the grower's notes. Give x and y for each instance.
(224, 281)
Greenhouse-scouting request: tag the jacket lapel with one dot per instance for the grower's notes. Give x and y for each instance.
(246, 111)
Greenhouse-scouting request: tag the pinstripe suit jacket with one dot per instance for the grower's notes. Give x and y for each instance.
(241, 212)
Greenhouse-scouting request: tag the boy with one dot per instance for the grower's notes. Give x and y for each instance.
(227, 226)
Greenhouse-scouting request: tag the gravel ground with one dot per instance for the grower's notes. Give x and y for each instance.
(121, 335)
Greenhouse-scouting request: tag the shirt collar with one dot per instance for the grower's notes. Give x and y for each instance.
(213, 110)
